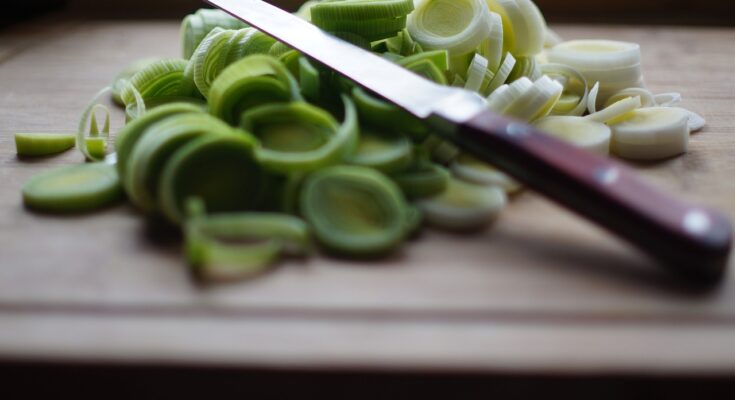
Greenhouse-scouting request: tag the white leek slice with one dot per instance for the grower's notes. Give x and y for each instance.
(476, 73)
(585, 133)
(647, 98)
(574, 98)
(463, 206)
(459, 26)
(616, 111)
(524, 26)
(492, 47)
(696, 121)
(667, 99)
(592, 98)
(472, 170)
(502, 98)
(537, 101)
(596, 55)
(502, 74)
(652, 133)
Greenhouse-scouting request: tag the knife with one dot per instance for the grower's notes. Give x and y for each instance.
(690, 240)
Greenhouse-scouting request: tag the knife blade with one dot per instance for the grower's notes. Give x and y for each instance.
(689, 239)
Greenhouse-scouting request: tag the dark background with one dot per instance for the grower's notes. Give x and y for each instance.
(685, 12)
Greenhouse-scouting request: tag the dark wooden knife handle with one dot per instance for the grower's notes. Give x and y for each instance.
(691, 240)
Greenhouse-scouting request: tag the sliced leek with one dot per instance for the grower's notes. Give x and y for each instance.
(74, 188)
(582, 132)
(231, 181)
(160, 79)
(524, 26)
(43, 144)
(616, 111)
(385, 152)
(422, 180)
(463, 206)
(652, 133)
(299, 137)
(458, 26)
(354, 210)
(472, 170)
(254, 80)
(195, 27)
(123, 77)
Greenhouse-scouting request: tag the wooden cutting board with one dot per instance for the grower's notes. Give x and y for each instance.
(540, 291)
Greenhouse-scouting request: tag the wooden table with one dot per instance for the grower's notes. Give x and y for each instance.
(541, 292)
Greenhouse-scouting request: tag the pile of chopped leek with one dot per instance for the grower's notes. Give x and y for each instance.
(259, 153)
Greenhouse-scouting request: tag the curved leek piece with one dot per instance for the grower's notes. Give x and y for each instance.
(43, 144)
(472, 170)
(163, 78)
(582, 132)
(401, 44)
(123, 77)
(309, 79)
(438, 58)
(652, 133)
(523, 25)
(492, 47)
(386, 116)
(89, 117)
(304, 11)
(299, 137)
(354, 211)
(132, 132)
(477, 73)
(617, 111)
(504, 96)
(647, 98)
(231, 181)
(195, 27)
(459, 26)
(228, 246)
(220, 49)
(156, 146)
(696, 122)
(252, 81)
(525, 66)
(388, 153)
(75, 188)
(668, 99)
(422, 180)
(97, 147)
(278, 49)
(592, 98)
(371, 20)
(463, 206)
(501, 75)
(574, 98)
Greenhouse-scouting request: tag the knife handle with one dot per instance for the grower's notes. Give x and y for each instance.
(687, 239)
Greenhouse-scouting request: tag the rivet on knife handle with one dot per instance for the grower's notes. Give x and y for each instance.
(691, 240)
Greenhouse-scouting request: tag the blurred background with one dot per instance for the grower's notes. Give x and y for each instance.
(684, 12)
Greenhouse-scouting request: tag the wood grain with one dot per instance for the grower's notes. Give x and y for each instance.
(540, 290)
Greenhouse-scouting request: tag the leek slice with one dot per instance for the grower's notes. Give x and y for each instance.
(156, 146)
(537, 101)
(422, 180)
(163, 78)
(123, 77)
(222, 48)
(501, 99)
(459, 26)
(252, 81)
(89, 117)
(130, 134)
(309, 79)
(492, 47)
(574, 97)
(388, 153)
(354, 211)
(195, 27)
(652, 133)
(696, 122)
(378, 113)
(476, 73)
(646, 97)
(582, 132)
(71, 189)
(616, 111)
(327, 11)
(43, 144)
(463, 206)
(596, 55)
(472, 170)
(524, 26)
(97, 147)
(502, 74)
(231, 181)
(300, 137)
(229, 246)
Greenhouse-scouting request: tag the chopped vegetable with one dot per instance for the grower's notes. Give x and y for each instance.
(74, 188)
(43, 144)
(653, 133)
